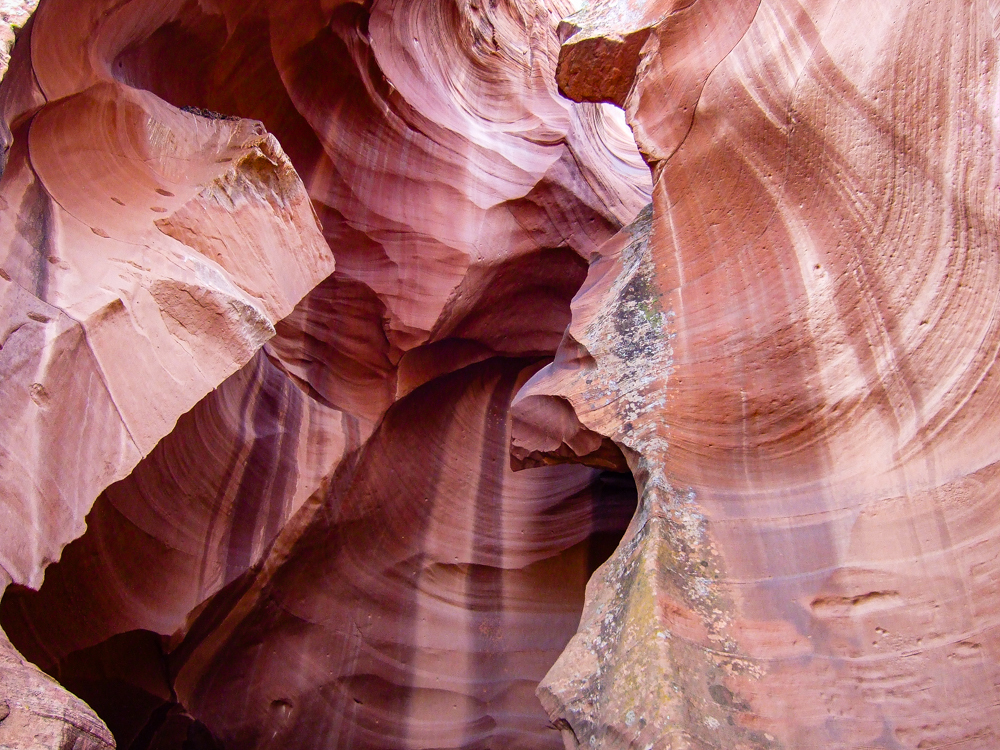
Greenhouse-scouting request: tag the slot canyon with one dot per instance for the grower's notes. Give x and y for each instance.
(500, 374)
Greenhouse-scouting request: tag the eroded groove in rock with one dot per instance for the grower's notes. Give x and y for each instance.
(423, 601)
(147, 254)
(196, 514)
(427, 163)
(428, 596)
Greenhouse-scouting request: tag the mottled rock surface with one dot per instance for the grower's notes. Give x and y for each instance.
(13, 15)
(795, 348)
(361, 349)
(37, 714)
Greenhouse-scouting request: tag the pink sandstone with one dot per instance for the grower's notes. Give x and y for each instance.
(356, 331)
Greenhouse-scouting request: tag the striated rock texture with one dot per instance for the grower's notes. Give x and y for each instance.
(795, 348)
(147, 254)
(330, 547)
(360, 349)
(103, 323)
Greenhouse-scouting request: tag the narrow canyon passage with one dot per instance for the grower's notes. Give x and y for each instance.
(341, 341)
(331, 549)
(430, 593)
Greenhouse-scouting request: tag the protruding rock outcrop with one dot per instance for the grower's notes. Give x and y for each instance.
(36, 713)
(13, 15)
(169, 264)
(148, 253)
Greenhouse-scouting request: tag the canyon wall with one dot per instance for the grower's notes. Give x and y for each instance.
(349, 466)
(796, 350)
(450, 374)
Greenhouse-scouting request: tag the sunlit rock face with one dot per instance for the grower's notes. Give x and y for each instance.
(13, 15)
(303, 525)
(421, 597)
(795, 350)
(426, 599)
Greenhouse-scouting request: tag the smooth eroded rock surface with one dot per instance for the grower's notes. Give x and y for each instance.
(795, 349)
(413, 405)
(462, 198)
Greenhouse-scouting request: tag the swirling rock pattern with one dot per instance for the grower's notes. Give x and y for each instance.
(167, 257)
(145, 248)
(795, 348)
(791, 348)
(441, 639)
(337, 469)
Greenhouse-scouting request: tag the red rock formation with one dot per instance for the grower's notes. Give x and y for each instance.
(461, 197)
(792, 349)
(796, 351)
(443, 636)
(169, 264)
(147, 254)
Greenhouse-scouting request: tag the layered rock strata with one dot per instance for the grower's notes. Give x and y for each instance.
(461, 215)
(791, 349)
(795, 349)
(148, 254)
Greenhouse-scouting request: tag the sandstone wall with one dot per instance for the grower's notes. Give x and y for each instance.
(361, 335)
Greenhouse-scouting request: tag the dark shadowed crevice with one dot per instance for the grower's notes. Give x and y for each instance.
(126, 681)
(615, 501)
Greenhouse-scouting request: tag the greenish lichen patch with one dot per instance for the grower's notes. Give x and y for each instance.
(632, 339)
(655, 664)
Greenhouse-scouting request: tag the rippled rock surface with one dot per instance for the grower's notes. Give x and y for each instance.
(330, 548)
(377, 384)
(795, 349)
